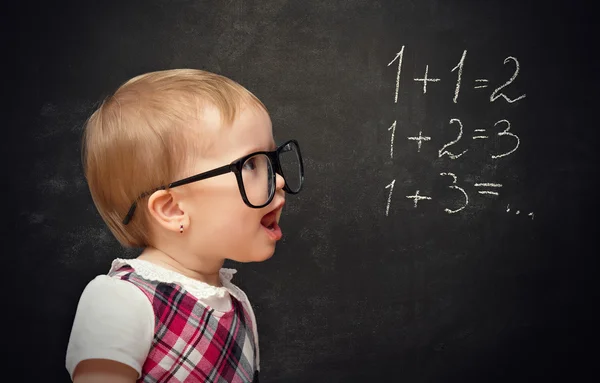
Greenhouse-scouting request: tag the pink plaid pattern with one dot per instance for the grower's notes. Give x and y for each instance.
(190, 343)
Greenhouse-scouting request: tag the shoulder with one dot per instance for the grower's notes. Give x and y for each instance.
(111, 292)
(114, 320)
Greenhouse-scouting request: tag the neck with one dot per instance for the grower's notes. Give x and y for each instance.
(206, 271)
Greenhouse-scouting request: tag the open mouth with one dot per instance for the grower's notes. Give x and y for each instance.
(269, 223)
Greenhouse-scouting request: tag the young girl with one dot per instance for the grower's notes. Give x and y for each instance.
(181, 163)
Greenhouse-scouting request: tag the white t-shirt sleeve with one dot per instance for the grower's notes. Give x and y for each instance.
(115, 321)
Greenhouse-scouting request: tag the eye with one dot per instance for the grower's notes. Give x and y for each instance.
(250, 164)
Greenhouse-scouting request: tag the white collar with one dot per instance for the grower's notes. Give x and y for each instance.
(199, 289)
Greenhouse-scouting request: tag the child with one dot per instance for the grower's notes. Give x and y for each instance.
(181, 163)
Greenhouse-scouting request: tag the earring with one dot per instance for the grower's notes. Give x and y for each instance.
(181, 228)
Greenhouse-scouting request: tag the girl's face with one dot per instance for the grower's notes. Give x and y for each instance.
(221, 225)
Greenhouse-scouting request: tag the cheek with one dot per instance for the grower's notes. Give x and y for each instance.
(222, 219)
(235, 233)
(236, 219)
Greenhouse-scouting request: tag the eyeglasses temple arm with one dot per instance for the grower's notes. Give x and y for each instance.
(197, 177)
(202, 176)
(134, 204)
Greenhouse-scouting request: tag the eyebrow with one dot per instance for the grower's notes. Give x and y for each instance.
(268, 148)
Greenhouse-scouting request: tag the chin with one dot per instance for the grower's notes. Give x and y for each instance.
(257, 257)
(263, 257)
(269, 255)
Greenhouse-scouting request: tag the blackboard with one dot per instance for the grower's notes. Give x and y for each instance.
(465, 252)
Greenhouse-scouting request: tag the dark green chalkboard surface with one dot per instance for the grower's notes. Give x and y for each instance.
(447, 227)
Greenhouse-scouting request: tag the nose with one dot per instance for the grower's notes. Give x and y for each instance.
(279, 181)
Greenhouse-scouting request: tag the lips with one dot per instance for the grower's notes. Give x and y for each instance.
(269, 223)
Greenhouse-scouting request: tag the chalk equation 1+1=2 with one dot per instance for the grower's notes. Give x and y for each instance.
(481, 83)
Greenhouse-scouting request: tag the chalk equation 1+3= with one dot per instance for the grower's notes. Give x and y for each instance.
(462, 200)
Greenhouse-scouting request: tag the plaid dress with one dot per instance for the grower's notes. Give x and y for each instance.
(191, 343)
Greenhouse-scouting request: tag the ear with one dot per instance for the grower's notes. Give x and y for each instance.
(166, 211)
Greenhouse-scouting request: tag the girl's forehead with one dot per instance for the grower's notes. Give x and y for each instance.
(250, 131)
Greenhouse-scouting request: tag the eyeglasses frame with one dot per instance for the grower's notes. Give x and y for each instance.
(234, 167)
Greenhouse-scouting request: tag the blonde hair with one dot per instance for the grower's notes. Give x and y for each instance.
(136, 140)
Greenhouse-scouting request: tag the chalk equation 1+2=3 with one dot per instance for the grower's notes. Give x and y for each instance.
(480, 83)
(478, 134)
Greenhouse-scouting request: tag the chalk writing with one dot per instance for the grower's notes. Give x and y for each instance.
(389, 200)
(492, 185)
(398, 57)
(417, 197)
(480, 83)
(420, 138)
(454, 186)
(393, 129)
(443, 150)
(459, 66)
(462, 200)
(495, 95)
(519, 212)
(426, 79)
(479, 134)
(479, 137)
(501, 133)
(506, 132)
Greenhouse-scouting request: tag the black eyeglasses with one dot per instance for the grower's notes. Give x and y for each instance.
(255, 174)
